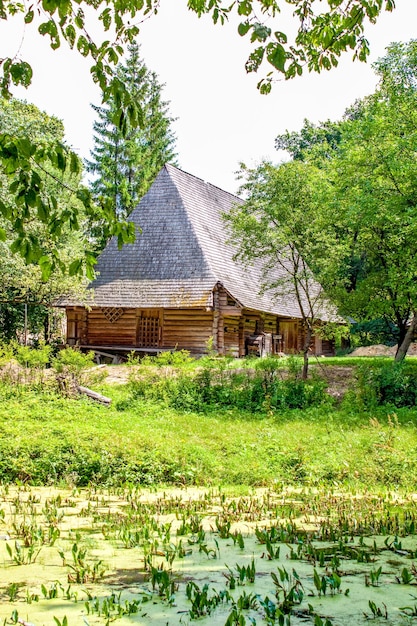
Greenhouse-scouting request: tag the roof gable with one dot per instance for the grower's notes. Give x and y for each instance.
(165, 261)
(182, 253)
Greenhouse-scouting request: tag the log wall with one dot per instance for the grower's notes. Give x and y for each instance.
(188, 329)
(76, 325)
(102, 331)
(231, 335)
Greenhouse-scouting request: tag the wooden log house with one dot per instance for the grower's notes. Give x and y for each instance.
(179, 286)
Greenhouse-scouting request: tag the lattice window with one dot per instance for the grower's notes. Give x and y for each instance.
(148, 332)
(112, 314)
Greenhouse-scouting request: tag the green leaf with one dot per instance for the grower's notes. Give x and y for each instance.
(281, 37)
(26, 147)
(30, 197)
(42, 210)
(255, 59)
(79, 19)
(46, 267)
(75, 267)
(21, 73)
(106, 18)
(83, 46)
(244, 7)
(243, 28)
(50, 6)
(4, 210)
(260, 32)
(61, 161)
(70, 35)
(276, 56)
(74, 163)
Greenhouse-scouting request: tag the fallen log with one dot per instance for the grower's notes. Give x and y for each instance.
(94, 395)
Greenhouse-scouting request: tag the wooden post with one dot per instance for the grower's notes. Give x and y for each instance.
(241, 337)
(26, 325)
(220, 335)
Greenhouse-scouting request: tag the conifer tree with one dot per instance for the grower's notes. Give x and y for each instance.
(124, 164)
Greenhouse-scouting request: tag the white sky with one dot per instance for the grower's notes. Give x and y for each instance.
(222, 119)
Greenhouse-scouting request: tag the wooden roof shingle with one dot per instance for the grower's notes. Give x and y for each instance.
(182, 253)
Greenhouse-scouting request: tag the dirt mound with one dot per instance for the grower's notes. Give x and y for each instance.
(378, 350)
(381, 350)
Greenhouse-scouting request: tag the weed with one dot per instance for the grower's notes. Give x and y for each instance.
(52, 592)
(246, 573)
(318, 621)
(202, 603)
(288, 589)
(237, 618)
(373, 578)
(247, 601)
(409, 611)
(112, 606)
(270, 609)
(238, 539)
(21, 555)
(377, 611)
(31, 597)
(13, 619)
(270, 535)
(163, 581)
(271, 551)
(407, 576)
(223, 525)
(81, 571)
(12, 591)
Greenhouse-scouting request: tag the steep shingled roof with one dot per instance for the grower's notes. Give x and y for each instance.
(181, 253)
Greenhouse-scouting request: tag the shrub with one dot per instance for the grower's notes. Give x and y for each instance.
(72, 361)
(33, 358)
(175, 358)
(213, 386)
(6, 354)
(387, 383)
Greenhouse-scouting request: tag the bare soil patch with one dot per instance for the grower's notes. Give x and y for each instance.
(339, 379)
(113, 374)
(381, 350)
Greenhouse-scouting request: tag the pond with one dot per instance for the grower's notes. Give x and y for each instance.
(70, 557)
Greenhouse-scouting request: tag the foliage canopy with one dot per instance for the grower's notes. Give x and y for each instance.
(366, 210)
(321, 36)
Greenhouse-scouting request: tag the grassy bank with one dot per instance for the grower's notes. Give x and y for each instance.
(50, 439)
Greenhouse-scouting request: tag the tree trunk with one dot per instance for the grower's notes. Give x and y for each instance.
(402, 329)
(405, 344)
(47, 328)
(306, 348)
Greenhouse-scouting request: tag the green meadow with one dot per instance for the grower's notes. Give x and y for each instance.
(217, 492)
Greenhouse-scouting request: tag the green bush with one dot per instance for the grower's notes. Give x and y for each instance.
(213, 387)
(175, 358)
(33, 358)
(72, 361)
(387, 383)
(6, 354)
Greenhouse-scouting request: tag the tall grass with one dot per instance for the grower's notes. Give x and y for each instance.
(208, 423)
(49, 439)
(215, 385)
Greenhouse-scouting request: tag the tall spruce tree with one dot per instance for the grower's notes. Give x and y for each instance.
(124, 164)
